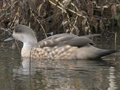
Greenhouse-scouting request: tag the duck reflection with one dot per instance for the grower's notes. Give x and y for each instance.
(64, 75)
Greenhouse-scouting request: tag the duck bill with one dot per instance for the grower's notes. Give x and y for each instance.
(9, 39)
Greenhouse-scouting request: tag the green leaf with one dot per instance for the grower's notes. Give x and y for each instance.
(117, 17)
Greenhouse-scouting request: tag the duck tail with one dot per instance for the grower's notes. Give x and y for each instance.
(105, 52)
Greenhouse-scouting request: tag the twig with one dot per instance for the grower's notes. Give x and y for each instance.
(39, 22)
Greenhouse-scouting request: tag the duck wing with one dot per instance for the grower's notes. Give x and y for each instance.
(70, 35)
(66, 39)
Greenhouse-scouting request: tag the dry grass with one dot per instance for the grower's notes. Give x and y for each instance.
(58, 16)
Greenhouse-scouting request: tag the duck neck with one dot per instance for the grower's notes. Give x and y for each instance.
(25, 52)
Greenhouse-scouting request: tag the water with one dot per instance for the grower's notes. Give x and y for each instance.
(18, 73)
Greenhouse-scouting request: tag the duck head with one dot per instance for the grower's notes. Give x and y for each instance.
(27, 36)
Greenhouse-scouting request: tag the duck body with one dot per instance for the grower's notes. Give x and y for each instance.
(59, 46)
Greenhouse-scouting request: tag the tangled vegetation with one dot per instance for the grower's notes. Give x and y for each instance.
(58, 16)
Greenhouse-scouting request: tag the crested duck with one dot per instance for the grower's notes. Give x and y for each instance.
(59, 46)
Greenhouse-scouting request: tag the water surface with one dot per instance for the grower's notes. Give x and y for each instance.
(25, 74)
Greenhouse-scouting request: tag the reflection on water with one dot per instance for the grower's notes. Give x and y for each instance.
(29, 74)
(63, 75)
(112, 79)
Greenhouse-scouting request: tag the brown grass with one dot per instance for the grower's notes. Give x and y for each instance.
(60, 16)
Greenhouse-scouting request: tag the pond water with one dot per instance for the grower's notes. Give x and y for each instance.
(18, 73)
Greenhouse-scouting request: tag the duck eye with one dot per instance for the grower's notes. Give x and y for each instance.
(17, 32)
